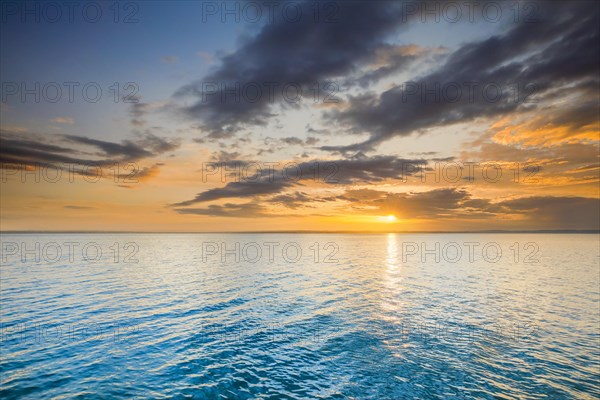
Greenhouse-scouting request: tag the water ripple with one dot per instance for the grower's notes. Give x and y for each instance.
(367, 327)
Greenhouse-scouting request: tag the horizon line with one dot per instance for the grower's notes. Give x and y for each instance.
(575, 231)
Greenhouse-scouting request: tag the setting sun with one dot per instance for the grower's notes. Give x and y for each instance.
(388, 218)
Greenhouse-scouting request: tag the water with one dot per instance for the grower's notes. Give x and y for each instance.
(331, 316)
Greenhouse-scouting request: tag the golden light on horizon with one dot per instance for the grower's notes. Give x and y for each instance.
(388, 218)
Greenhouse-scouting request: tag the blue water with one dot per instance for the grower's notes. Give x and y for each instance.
(362, 317)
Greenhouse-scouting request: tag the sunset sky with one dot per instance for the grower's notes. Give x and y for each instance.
(408, 118)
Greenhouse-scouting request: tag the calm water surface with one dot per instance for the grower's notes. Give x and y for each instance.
(298, 316)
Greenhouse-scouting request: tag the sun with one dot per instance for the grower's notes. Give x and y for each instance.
(388, 218)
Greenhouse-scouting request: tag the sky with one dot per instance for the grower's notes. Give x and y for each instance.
(299, 115)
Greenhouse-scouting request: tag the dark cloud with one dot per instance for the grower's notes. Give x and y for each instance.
(126, 150)
(294, 200)
(246, 210)
(137, 110)
(305, 53)
(311, 141)
(20, 150)
(371, 169)
(74, 207)
(389, 59)
(357, 169)
(292, 141)
(435, 203)
(158, 145)
(226, 156)
(558, 49)
(239, 190)
(557, 212)
(533, 212)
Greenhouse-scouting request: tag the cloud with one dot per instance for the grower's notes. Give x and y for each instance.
(137, 111)
(301, 53)
(560, 164)
(425, 205)
(63, 120)
(356, 169)
(552, 125)
(18, 150)
(126, 150)
(239, 190)
(550, 54)
(246, 210)
(157, 144)
(557, 212)
(355, 49)
(225, 157)
(293, 201)
(446, 204)
(388, 60)
(292, 141)
(533, 212)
